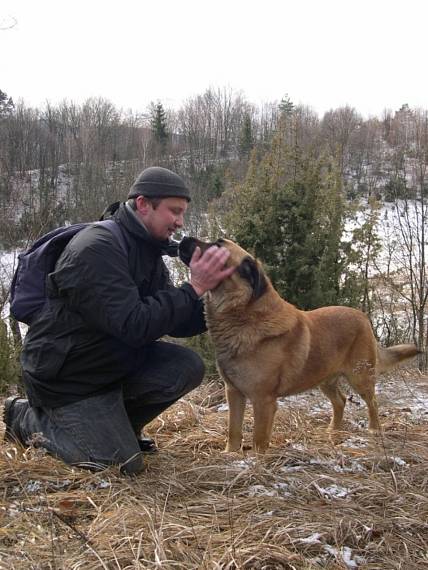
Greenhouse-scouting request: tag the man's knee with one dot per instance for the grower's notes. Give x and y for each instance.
(94, 433)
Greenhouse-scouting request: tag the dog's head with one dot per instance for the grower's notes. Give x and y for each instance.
(249, 279)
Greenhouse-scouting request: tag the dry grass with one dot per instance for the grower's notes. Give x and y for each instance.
(355, 501)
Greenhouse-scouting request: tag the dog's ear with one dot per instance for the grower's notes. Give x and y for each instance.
(249, 270)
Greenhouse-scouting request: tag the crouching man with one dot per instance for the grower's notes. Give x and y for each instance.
(94, 369)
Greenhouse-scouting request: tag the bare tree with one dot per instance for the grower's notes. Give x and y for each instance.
(338, 127)
(409, 256)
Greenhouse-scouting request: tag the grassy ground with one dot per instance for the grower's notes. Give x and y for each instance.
(353, 501)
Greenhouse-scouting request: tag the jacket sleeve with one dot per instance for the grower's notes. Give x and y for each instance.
(92, 276)
(195, 323)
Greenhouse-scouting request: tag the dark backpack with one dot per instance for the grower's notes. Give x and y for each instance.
(28, 289)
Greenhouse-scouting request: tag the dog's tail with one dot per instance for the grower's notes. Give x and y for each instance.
(388, 358)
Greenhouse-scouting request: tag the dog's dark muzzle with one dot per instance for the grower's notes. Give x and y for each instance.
(187, 248)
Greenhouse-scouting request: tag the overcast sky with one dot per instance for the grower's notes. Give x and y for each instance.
(370, 54)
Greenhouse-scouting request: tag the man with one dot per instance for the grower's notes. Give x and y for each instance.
(94, 369)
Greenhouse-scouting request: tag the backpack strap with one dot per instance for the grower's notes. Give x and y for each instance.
(110, 210)
(115, 229)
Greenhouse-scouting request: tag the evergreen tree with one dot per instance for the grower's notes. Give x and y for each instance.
(363, 250)
(158, 125)
(246, 139)
(286, 106)
(6, 104)
(290, 213)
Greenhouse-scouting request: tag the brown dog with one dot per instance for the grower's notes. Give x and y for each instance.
(266, 347)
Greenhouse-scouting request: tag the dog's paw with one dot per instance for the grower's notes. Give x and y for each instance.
(260, 449)
(332, 428)
(376, 431)
(230, 449)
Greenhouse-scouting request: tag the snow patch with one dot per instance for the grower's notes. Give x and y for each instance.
(277, 490)
(345, 554)
(333, 491)
(244, 463)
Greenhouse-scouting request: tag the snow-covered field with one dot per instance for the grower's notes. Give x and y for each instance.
(396, 221)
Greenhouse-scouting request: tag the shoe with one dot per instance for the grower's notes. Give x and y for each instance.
(147, 445)
(8, 409)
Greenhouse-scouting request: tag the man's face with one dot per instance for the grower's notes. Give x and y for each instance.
(164, 220)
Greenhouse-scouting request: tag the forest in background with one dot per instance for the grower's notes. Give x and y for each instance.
(288, 185)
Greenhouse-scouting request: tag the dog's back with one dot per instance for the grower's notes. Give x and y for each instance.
(335, 341)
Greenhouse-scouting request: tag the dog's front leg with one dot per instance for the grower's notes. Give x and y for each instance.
(264, 414)
(236, 401)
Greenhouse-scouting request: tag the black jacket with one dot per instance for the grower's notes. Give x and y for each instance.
(105, 306)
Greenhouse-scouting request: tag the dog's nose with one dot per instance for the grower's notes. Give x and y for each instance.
(186, 248)
(187, 244)
(186, 241)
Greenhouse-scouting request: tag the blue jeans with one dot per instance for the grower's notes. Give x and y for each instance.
(102, 430)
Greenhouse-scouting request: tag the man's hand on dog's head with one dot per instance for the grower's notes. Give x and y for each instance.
(208, 269)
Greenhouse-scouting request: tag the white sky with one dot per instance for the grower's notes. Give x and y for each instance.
(370, 54)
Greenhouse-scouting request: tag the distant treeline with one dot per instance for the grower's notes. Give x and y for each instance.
(69, 161)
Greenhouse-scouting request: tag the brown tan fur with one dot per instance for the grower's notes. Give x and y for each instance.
(267, 348)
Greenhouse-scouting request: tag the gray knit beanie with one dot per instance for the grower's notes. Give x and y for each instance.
(158, 182)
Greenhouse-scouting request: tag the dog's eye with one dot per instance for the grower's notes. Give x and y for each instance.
(219, 242)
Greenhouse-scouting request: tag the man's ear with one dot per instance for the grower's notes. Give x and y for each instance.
(252, 272)
(143, 205)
